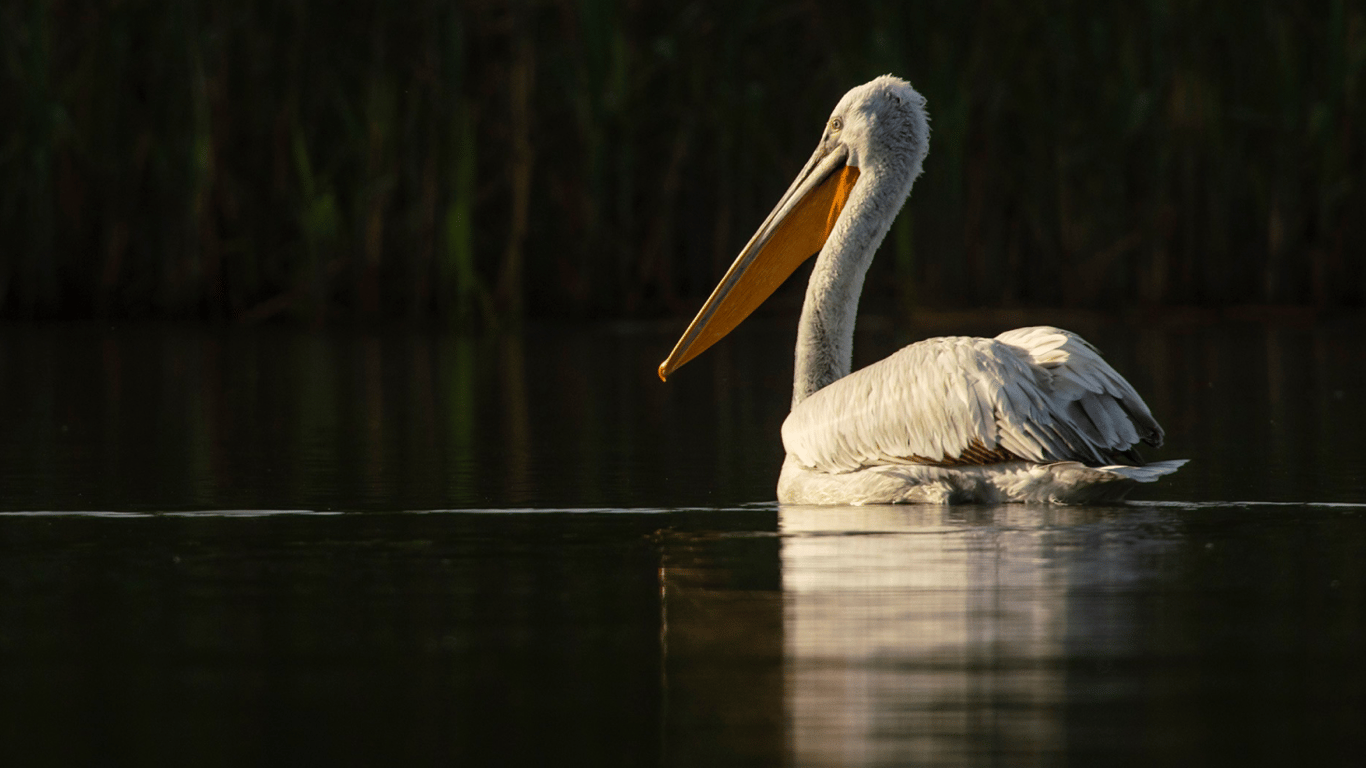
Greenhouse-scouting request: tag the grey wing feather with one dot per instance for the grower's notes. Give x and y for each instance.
(1081, 377)
(1041, 394)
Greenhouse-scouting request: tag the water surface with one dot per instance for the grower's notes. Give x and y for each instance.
(253, 546)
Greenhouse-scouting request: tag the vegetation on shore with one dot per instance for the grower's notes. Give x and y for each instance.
(490, 160)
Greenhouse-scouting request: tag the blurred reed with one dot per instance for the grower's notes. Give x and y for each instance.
(488, 160)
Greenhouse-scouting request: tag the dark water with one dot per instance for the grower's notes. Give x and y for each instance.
(524, 548)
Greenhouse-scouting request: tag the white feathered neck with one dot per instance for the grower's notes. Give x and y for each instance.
(886, 129)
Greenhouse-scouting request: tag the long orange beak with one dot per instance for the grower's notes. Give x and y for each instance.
(795, 231)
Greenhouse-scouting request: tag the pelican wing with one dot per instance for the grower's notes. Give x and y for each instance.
(1098, 400)
(1037, 394)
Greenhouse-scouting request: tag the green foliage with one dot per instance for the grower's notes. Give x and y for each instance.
(487, 159)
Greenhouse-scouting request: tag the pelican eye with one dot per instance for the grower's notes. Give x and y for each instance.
(836, 124)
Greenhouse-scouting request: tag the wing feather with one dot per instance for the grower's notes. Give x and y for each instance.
(1038, 394)
(1073, 362)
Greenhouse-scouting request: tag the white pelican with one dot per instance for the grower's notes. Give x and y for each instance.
(1034, 414)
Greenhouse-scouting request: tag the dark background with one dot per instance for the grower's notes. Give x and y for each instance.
(481, 162)
(241, 538)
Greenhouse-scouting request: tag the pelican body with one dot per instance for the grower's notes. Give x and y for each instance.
(1034, 414)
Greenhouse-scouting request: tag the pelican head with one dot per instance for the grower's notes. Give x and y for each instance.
(841, 204)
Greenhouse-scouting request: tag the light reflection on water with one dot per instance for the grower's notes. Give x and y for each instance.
(1028, 635)
(412, 545)
(905, 634)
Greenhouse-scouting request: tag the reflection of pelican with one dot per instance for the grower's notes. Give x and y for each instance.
(950, 624)
(1034, 414)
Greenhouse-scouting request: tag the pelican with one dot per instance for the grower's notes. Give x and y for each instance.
(1032, 415)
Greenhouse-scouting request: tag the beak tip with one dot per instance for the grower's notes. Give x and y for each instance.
(663, 372)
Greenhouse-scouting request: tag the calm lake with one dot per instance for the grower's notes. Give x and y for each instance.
(249, 546)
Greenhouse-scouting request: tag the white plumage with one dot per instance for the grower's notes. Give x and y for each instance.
(1015, 418)
(1034, 414)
